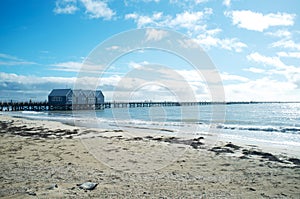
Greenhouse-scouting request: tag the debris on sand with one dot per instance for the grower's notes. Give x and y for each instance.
(219, 150)
(51, 187)
(87, 185)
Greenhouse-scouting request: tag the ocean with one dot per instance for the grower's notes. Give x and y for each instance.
(268, 123)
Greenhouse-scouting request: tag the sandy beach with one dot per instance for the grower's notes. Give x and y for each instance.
(47, 159)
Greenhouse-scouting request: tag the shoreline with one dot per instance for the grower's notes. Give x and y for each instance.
(37, 154)
(213, 136)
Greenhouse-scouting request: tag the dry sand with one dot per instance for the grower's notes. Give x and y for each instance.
(42, 159)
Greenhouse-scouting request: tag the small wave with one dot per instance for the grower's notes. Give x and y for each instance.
(33, 112)
(260, 128)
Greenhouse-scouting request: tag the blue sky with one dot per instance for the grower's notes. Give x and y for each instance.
(254, 45)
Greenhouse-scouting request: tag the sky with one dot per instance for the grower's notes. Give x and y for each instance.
(253, 44)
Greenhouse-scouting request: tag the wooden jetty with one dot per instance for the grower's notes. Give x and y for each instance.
(45, 106)
(24, 106)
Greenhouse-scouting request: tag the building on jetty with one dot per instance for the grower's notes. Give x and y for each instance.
(69, 99)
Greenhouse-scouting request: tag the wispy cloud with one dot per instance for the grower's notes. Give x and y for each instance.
(155, 35)
(209, 39)
(93, 8)
(83, 67)
(187, 4)
(265, 60)
(286, 43)
(280, 33)
(6, 56)
(194, 24)
(22, 87)
(230, 77)
(186, 19)
(227, 3)
(10, 60)
(256, 21)
(262, 89)
(289, 54)
(232, 44)
(136, 65)
(255, 70)
(65, 7)
(98, 9)
(67, 66)
(278, 67)
(129, 2)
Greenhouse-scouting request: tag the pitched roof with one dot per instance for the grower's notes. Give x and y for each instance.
(77, 92)
(60, 92)
(99, 93)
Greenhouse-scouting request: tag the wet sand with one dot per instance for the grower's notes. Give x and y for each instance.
(43, 159)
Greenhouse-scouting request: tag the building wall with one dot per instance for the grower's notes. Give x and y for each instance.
(78, 97)
(57, 100)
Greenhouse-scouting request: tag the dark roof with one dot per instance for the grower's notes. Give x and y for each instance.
(60, 92)
(77, 92)
(99, 93)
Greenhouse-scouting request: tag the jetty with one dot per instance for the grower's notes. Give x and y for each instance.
(46, 106)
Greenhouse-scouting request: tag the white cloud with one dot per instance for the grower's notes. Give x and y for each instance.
(26, 82)
(140, 19)
(245, 89)
(189, 43)
(65, 7)
(98, 9)
(195, 26)
(155, 35)
(83, 67)
(131, 16)
(227, 3)
(231, 77)
(187, 20)
(147, 1)
(14, 86)
(10, 60)
(128, 2)
(68, 66)
(284, 43)
(280, 33)
(264, 89)
(136, 65)
(113, 47)
(258, 21)
(187, 4)
(93, 8)
(156, 1)
(289, 54)
(6, 56)
(291, 73)
(209, 39)
(232, 44)
(200, 1)
(265, 60)
(191, 75)
(255, 70)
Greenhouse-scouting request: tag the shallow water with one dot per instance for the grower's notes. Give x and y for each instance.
(273, 123)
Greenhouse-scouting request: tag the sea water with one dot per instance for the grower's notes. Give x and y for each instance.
(271, 123)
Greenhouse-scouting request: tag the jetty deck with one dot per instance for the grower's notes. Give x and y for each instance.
(45, 106)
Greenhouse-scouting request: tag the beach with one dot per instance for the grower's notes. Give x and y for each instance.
(48, 159)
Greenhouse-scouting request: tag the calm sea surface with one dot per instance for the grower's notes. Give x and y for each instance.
(277, 123)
